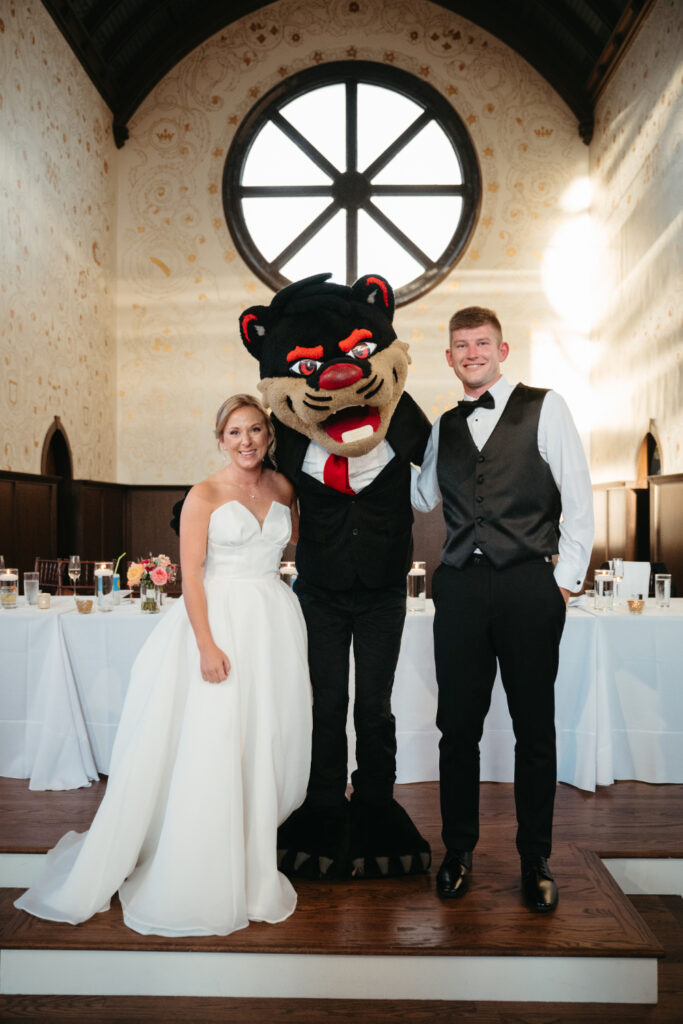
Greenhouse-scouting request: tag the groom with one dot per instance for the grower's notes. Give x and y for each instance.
(333, 372)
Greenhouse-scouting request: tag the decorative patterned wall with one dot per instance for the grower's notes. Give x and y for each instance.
(182, 285)
(637, 172)
(57, 250)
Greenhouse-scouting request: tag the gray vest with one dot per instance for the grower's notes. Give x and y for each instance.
(502, 499)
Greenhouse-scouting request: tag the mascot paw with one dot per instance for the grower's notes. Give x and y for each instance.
(385, 842)
(313, 842)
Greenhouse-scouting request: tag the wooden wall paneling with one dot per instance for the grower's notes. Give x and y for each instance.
(666, 525)
(7, 538)
(97, 519)
(28, 518)
(148, 516)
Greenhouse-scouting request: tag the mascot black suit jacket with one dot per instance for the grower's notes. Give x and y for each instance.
(333, 373)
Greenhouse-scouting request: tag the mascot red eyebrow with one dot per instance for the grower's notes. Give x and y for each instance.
(333, 372)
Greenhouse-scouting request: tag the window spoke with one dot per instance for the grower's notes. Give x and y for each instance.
(305, 236)
(282, 191)
(398, 236)
(351, 245)
(397, 145)
(351, 125)
(305, 146)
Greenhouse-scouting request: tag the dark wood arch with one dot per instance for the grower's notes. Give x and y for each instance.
(55, 458)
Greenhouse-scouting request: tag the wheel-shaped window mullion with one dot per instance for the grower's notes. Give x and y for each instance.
(355, 193)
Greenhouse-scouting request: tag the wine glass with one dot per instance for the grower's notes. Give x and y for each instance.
(2, 563)
(74, 569)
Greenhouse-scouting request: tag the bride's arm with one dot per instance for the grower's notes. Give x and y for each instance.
(194, 529)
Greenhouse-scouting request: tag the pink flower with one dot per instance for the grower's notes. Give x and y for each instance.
(164, 561)
(158, 576)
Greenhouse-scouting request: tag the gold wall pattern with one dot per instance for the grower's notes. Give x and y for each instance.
(57, 250)
(181, 285)
(637, 171)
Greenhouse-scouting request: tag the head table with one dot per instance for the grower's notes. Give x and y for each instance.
(619, 696)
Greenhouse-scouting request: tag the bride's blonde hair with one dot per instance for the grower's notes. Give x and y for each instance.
(235, 402)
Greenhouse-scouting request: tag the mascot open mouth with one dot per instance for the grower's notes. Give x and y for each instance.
(353, 423)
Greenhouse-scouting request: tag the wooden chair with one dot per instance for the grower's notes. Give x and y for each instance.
(51, 574)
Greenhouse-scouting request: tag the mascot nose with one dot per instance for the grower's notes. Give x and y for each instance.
(339, 375)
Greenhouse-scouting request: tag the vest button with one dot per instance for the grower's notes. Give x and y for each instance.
(479, 499)
(354, 532)
(480, 479)
(480, 520)
(481, 458)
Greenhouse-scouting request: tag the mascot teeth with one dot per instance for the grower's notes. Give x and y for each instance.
(358, 434)
(352, 423)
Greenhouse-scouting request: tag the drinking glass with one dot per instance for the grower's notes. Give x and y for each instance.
(9, 585)
(617, 567)
(663, 589)
(636, 603)
(417, 587)
(74, 569)
(104, 582)
(604, 591)
(31, 585)
(2, 563)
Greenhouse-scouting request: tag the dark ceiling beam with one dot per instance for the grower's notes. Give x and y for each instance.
(98, 14)
(616, 46)
(134, 24)
(607, 11)
(575, 52)
(560, 13)
(78, 37)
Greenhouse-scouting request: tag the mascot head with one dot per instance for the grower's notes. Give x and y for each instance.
(331, 366)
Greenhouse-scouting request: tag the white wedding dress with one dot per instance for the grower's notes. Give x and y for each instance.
(201, 774)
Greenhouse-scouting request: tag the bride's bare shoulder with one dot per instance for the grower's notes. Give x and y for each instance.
(204, 496)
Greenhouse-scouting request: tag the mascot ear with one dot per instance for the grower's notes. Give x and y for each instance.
(253, 329)
(377, 292)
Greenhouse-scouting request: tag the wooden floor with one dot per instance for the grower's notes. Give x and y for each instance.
(400, 916)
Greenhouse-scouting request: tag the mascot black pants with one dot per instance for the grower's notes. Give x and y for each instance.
(514, 618)
(373, 620)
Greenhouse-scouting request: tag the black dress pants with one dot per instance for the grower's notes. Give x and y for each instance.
(373, 619)
(515, 617)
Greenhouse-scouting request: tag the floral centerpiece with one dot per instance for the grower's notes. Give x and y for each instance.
(151, 574)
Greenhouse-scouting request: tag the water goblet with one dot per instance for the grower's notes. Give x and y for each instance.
(74, 569)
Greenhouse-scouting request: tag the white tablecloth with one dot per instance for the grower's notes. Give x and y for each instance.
(43, 736)
(619, 696)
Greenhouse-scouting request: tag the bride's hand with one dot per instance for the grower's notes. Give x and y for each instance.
(214, 663)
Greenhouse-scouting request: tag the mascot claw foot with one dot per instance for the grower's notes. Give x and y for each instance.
(351, 841)
(385, 843)
(313, 843)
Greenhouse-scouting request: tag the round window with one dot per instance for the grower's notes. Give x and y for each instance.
(352, 168)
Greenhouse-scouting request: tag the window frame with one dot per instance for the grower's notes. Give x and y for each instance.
(436, 107)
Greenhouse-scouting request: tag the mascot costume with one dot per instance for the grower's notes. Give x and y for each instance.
(333, 373)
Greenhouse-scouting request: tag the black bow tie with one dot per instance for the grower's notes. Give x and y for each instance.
(484, 401)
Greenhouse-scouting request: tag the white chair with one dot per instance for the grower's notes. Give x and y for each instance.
(636, 579)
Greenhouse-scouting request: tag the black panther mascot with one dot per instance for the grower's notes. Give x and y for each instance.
(333, 373)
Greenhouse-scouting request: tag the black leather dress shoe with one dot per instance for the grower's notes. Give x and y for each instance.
(538, 885)
(453, 877)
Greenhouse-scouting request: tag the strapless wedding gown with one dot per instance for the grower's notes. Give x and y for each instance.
(201, 774)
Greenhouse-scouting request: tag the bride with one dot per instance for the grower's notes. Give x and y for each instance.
(213, 747)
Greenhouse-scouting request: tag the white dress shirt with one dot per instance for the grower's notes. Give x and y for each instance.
(362, 468)
(560, 446)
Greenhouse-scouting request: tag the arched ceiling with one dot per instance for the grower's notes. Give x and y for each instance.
(127, 46)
